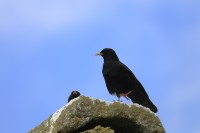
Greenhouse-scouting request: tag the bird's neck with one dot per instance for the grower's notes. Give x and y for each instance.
(111, 58)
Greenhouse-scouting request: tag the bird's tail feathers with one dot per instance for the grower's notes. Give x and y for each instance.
(142, 100)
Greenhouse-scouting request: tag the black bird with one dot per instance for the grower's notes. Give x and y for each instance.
(121, 81)
(74, 94)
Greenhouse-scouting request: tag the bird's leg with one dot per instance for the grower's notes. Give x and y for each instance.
(126, 94)
(118, 97)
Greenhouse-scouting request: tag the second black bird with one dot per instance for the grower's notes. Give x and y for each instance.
(74, 94)
(121, 81)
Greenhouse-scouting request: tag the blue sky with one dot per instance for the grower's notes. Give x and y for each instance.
(47, 50)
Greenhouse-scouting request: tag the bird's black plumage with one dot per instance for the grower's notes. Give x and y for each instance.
(74, 94)
(119, 79)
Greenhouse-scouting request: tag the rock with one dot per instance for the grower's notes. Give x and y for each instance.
(84, 113)
(100, 129)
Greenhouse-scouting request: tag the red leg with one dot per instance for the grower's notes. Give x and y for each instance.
(118, 97)
(126, 94)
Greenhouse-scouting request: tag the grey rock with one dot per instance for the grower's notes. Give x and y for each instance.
(100, 129)
(84, 114)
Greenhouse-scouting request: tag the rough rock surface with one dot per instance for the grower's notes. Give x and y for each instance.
(84, 114)
(100, 129)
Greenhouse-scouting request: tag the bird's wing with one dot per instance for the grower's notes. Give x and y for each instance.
(133, 79)
(142, 89)
(70, 98)
(108, 81)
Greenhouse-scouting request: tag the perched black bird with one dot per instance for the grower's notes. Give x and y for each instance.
(121, 81)
(74, 94)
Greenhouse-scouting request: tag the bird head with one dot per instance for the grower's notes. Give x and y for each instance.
(75, 93)
(107, 54)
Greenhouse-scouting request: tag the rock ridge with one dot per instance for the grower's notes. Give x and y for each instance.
(89, 115)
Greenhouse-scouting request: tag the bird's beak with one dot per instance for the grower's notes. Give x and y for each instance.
(75, 92)
(99, 54)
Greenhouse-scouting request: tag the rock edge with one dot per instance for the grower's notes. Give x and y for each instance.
(85, 113)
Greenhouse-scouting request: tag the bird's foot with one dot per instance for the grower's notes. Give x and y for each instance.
(117, 101)
(126, 98)
(119, 98)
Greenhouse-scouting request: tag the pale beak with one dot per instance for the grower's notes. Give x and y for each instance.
(99, 54)
(75, 92)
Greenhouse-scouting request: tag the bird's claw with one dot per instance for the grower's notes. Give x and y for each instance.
(117, 101)
(127, 98)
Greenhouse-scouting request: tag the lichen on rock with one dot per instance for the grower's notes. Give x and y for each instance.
(85, 114)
